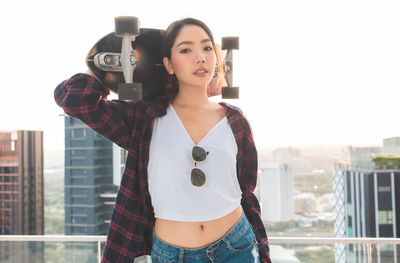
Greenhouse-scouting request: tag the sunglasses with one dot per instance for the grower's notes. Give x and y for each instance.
(197, 176)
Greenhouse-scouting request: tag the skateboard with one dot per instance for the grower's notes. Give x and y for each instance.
(129, 62)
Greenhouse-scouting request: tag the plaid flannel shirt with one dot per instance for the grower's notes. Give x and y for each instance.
(128, 124)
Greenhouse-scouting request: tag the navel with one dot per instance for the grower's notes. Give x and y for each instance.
(201, 227)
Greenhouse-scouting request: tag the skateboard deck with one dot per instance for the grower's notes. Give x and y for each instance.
(149, 69)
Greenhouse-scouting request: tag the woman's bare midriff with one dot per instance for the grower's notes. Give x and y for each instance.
(196, 234)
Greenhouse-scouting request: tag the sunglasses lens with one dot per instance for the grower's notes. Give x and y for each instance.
(197, 177)
(198, 154)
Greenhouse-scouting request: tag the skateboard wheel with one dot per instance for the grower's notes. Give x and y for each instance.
(126, 25)
(230, 92)
(230, 43)
(130, 91)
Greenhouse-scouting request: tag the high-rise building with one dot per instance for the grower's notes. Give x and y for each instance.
(276, 191)
(88, 185)
(93, 170)
(366, 205)
(21, 193)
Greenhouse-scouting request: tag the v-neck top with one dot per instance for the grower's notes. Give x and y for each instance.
(170, 163)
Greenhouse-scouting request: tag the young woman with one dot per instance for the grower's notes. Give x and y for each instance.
(186, 194)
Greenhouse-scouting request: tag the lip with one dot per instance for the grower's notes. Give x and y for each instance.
(201, 69)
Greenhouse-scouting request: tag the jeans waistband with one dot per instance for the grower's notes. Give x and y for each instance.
(236, 232)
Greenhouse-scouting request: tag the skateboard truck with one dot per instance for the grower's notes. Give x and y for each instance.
(229, 43)
(126, 27)
(125, 62)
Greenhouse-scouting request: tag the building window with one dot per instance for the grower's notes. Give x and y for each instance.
(124, 154)
(79, 191)
(78, 162)
(385, 217)
(78, 172)
(78, 181)
(79, 220)
(78, 200)
(383, 188)
(78, 152)
(349, 209)
(79, 210)
(78, 229)
(78, 133)
(350, 231)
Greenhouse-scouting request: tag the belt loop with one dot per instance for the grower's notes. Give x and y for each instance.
(181, 251)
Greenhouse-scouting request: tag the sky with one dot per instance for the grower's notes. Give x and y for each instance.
(310, 72)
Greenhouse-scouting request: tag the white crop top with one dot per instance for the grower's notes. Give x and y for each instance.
(170, 163)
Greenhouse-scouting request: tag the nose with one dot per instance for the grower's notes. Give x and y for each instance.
(199, 58)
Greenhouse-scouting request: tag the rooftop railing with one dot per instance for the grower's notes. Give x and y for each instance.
(291, 249)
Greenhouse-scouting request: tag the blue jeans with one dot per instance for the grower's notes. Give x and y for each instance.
(237, 245)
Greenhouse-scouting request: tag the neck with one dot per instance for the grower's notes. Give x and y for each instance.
(191, 96)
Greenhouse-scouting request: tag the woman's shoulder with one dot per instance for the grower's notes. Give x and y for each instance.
(239, 116)
(231, 107)
(234, 110)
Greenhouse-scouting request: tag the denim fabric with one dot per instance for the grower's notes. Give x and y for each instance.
(238, 245)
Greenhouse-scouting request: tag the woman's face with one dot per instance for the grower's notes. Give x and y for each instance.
(192, 57)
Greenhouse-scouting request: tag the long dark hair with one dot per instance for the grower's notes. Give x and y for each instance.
(168, 40)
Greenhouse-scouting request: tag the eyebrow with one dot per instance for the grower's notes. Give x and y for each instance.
(191, 43)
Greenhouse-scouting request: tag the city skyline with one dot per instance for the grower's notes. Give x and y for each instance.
(305, 69)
